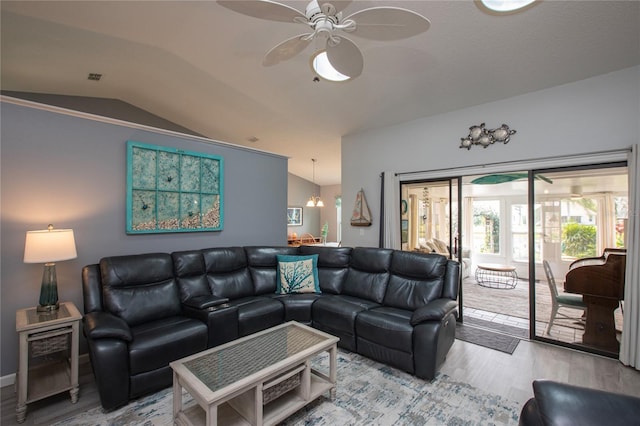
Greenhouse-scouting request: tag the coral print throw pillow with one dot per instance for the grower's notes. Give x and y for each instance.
(298, 274)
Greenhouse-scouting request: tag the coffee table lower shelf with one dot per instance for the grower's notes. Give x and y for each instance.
(273, 412)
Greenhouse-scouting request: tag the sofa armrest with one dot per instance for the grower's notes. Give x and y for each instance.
(530, 414)
(102, 325)
(436, 310)
(561, 403)
(108, 338)
(205, 302)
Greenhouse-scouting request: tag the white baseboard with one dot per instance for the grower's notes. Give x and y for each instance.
(10, 379)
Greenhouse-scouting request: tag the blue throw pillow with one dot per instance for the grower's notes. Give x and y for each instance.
(298, 274)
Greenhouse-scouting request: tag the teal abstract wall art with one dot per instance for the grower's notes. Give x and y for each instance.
(171, 190)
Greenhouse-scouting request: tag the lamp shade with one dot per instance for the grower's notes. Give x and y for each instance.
(49, 246)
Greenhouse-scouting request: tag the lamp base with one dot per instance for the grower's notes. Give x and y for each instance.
(48, 308)
(48, 290)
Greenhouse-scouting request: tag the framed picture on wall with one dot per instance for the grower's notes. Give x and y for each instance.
(294, 216)
(171, 190)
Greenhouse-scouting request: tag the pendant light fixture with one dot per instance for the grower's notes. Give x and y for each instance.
(313, 200)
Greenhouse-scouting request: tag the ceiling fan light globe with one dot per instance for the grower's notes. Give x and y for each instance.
(323, 68)
(506, 5)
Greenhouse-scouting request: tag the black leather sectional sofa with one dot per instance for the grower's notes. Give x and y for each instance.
(144, 311)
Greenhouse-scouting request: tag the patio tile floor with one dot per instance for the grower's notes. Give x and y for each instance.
(511, 307)
(558, 331)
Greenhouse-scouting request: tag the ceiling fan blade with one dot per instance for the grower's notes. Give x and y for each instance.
(286, 50)
(388, 23)
(264, 9)
(345, 57)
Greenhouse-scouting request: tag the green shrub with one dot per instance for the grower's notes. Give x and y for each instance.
(579, 240)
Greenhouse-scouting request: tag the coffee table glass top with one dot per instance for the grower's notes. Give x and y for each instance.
(228, 365)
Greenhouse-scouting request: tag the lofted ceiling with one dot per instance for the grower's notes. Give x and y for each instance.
(198, 64)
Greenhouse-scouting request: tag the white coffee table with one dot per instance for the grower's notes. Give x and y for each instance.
(259, 379)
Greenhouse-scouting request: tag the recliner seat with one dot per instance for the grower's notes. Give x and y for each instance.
(135, 326)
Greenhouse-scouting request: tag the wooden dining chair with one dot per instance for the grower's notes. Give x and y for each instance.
(307, 239)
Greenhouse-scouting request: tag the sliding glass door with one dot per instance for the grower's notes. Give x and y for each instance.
(579, 238)
(534, 228)
(430, 217)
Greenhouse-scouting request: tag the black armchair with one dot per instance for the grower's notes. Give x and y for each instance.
(561, 404)
(135, 325)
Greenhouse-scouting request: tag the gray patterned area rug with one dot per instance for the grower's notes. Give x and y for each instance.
(368, 393)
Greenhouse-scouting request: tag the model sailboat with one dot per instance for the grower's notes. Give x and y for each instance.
(361, 215)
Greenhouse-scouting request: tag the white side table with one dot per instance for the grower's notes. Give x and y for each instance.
(48, 359)
(497, 276)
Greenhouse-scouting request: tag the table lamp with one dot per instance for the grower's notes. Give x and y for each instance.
(49, 246)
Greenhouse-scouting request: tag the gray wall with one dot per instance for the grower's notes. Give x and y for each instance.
(298, 194)
(589, 116)
(329, 213)
(314, 218)
(71, 172)
(113, 108)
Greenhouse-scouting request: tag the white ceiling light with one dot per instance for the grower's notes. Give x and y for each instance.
(506, 5)
(575, 192)
(323, 68)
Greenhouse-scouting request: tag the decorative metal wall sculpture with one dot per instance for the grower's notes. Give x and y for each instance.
(479, 135)
(170, 190)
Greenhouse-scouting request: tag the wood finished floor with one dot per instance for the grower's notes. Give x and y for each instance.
(507, 375)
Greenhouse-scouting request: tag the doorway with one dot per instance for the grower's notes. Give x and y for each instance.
(483, 220)
(495, 231)
(429, 216)
(580, 219)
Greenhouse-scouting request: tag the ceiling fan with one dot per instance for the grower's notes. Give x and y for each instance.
(327, 27)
